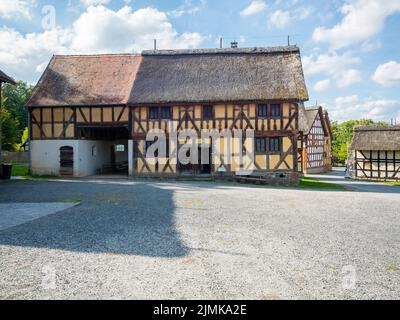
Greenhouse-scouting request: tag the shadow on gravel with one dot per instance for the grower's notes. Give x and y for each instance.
(115, 219)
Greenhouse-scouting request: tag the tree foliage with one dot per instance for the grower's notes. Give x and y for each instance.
(15, 114)
(343, 135)
(10, 131)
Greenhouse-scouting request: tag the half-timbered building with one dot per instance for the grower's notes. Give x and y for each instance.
(375, 152)
(316, 151)
(90, 113)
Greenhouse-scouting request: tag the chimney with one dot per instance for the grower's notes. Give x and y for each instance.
(234, 44)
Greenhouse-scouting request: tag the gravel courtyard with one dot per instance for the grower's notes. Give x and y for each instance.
(148, 240)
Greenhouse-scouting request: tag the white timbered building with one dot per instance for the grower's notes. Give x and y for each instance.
(375, 153)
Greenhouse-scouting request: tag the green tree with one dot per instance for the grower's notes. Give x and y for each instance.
(10, 131)
(343, 135)
(16, 98)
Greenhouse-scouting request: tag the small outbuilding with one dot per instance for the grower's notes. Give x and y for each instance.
(315, 153)
(375, 152)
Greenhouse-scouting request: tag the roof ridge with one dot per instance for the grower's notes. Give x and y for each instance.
(214, 51)
(375, 127)
(98, 55)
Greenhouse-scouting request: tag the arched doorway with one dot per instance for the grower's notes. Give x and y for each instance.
(66, 161)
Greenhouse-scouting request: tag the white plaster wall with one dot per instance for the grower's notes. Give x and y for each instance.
(45, 156)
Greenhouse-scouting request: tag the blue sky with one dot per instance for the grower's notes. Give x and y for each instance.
(350, 48)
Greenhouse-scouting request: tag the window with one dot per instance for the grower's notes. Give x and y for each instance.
(166, 113)
(275, 110)
(208, 113)
(275, 144)
(119, 148)
(262, 110)
(153, 113)
(260, 145)
(94, 151)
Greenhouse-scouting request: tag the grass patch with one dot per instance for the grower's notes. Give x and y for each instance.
(71, 200)
(396, 184)
(20, 169)
(392, 268)
(311, 183)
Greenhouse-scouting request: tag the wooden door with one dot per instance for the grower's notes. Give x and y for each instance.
(67, 161)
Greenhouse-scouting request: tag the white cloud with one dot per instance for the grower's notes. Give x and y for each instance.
(97, 30)
(10, 9)
(322, 85)
(95, 2)
(328, 64)
(304, 13)
(362, 20)
(336, 67)
(387, 74)
(188, 7)
(279, 19)
(254, 7)
(103, 30)
(348, 78)
(368, 46)
(351, 107)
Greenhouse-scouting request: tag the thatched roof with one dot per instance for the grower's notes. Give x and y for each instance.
(311, 115)
(86, 80)
(6, 78)
(376, 138)
(303, 120)
(219, 75)
(328, 124)
(307, 118)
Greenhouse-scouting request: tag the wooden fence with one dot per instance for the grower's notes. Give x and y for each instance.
(12, 157)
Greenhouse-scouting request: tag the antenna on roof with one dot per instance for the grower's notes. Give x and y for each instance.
(155, 44)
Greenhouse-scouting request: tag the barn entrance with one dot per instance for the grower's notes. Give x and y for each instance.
(108, 149)
(202, 167)
(205, 164)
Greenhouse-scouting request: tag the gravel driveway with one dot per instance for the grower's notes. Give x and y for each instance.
(200, 240)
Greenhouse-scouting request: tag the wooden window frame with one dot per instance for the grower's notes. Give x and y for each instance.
(274, 105)
(166, 115)
(118, 148)
(271, 146)
(264, 110)
(260, 150)
(205, 115)
(151, 115)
